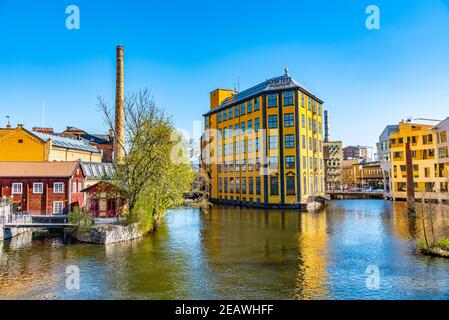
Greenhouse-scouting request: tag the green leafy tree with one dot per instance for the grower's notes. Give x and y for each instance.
(155, 172)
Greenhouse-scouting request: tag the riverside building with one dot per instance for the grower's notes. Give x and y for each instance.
(264, 146)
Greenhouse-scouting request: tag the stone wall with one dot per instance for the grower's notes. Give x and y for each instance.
(107, 234)
(7, 233)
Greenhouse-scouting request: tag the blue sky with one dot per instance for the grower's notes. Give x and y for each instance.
(182, 50)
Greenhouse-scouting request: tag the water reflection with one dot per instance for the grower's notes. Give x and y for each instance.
(239, 253)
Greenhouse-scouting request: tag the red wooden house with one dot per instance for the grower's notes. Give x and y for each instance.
(42, 188)
(104, 200)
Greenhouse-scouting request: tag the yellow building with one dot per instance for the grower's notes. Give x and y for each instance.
(19, 144)
(423, 145)
(264, 145)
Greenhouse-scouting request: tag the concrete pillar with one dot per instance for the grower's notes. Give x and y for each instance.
(119, 140)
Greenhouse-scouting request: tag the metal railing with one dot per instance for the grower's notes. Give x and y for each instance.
(6, 217)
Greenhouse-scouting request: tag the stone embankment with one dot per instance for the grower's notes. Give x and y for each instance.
(8, 233)
(107, 234)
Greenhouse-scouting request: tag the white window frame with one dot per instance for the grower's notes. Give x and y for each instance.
(56, 189)
(14, 186)
(35, 191)
(61, 203)
(74, 185)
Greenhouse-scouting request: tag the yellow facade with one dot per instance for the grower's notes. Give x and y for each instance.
(423, 144)
(264, 146)
(19, 144)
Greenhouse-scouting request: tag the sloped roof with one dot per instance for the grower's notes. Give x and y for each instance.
(64, 142)
(283, 82)
(97, 171)
(443, 124)
(57, 169)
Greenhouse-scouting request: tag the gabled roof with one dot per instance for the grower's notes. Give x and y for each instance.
(64, 142)
(283, 82)
(56, 169)
(73, 129)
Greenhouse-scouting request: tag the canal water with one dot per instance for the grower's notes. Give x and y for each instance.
(235, 253)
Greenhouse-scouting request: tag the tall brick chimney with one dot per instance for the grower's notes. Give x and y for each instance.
(119, 140)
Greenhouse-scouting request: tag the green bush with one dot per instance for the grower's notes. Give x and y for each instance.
(443, 243)
(80, 218)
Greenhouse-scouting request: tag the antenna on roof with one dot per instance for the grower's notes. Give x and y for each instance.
(8, 125)
(286, 71)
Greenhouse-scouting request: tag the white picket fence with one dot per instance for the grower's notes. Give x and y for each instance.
(5, 212)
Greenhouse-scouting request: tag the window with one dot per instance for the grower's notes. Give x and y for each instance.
(219, 117)
(17, 188)
(243, 165)
(250, 164)
(303, 103)
(230, 113)
(289, 162)
(258, 185)
(257, 164)
(272, 121)
(289, 141)
(236, 147)
(256, 104)
(250, 106)
(225, 115)
(303, 141)
(38, 188)
(250, 126)
(273, 142)
(58, 187)
(250, 145)
(250, 185)
(236, 130)
(243, 185)
(290, 185)
(304, 162)
(274, 163)
(236, 111)
(257, 124)
(243, 146)
(272, 100)
(231, 185)
(243, 128)
(74, 187)
(225, 185)
(237, 185)
(220, 150)
(257, 144)
(58, 207)
(288, 120)
(274, 188)
(304, 185)
(288, 98)
(237, 165)
(303, 121)
(242, 109)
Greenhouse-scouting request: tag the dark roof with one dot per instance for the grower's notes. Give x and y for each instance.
(283, 82)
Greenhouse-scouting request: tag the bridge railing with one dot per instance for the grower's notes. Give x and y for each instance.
(15, 218)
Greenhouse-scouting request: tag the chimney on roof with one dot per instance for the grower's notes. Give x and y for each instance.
(119, 140)
(43, 130)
